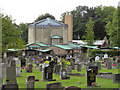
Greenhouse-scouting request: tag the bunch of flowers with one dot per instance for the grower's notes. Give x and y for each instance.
(26, 68)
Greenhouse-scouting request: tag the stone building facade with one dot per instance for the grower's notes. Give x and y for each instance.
(50, 31)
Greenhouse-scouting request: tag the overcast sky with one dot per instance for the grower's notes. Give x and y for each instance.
(26, 11)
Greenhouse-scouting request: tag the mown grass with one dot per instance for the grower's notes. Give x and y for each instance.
(104, 83)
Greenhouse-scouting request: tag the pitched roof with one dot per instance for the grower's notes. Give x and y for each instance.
(48, 22)
(63, 47)
(40, 44)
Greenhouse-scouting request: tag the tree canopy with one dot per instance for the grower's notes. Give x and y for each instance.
(44, 16)
(89, 36)
(10, 34)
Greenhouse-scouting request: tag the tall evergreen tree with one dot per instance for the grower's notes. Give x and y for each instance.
(89, 36)
(113, 29)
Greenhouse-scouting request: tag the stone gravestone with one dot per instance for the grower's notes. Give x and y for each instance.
(57, 69)
(30, 68)
(109, 65)
(99, 65)
(95, 68)
(73, 65)
(116, 78)
(78, 67)
(30, 82)
(40, 67)
(11, 73)
(48, 72)
(3, 70)
(91, 77)
(63, 65)
(11, 81)
(1, 79)
(69, 68)
(18, 68)
(54, 86)
(63, 74)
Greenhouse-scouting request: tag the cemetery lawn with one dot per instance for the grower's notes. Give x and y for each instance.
(73, 81)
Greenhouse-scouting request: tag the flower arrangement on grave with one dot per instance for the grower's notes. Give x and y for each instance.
(26, 68)
(63, 60)
(68, 63)
(104, 64)
(113, 65)
(47, 62)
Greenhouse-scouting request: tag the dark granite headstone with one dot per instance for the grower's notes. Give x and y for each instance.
(95, 68)
(49, 72)
(91, 77)
(116, 78)
(30, 68)
(30, 82)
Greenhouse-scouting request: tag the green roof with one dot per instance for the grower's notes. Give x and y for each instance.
(57, 37)
(40, 44)
(63, 47)
(46, 50)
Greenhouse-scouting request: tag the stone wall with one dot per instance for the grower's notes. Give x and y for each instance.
(44, 35)
(58, 51)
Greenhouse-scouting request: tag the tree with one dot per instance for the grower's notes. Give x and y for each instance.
(41, 17)
(10, 34)
(89, 37)
(24, 32)
(113, 29)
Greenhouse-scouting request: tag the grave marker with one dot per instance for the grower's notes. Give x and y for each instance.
(116, 78)
(63, 74)
(30, 82)
(69, 68)
(57, 69)
(109, 65)
(91, 77)
(54, 86)
(78, 67)
(99, 65)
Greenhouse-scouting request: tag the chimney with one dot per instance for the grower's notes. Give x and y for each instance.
(69, 22)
